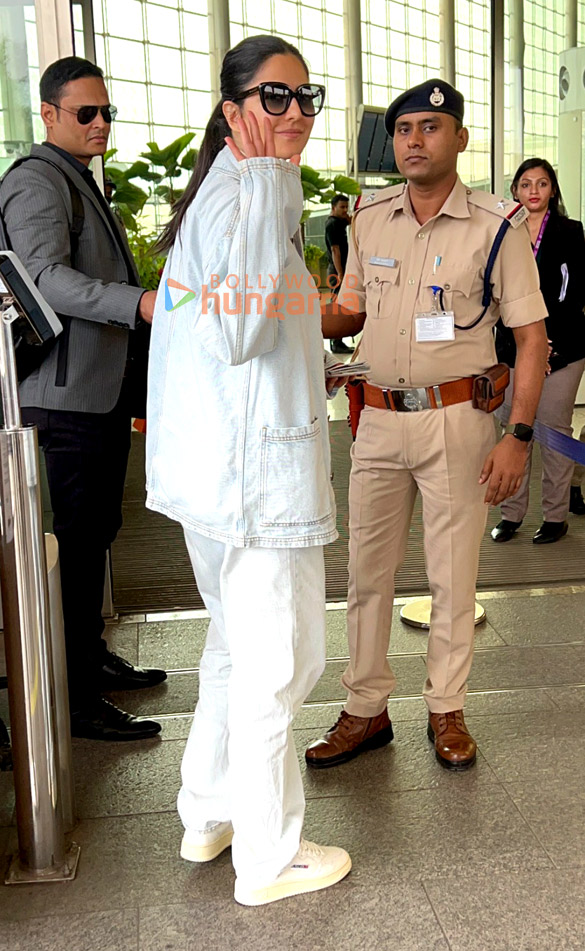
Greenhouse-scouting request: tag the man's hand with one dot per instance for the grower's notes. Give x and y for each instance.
(504, 468)
(334, 382)
(146, 306)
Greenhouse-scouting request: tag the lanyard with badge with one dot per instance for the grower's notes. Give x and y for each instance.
(436, 324)
(538, 241)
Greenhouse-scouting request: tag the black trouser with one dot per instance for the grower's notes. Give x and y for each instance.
(86, 456)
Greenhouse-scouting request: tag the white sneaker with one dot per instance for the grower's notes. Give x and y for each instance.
(205, 846)
(312, 868)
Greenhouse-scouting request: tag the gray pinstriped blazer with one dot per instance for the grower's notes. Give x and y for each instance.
(36, 206)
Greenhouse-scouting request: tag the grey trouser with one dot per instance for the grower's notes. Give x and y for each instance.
(555, 409)
(579, 471)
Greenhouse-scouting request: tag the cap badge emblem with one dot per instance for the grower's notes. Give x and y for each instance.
(437, 98)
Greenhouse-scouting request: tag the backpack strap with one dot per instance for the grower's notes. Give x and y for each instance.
(77, 209)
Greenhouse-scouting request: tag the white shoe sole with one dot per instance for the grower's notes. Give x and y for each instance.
(263, 896)
(205, 853)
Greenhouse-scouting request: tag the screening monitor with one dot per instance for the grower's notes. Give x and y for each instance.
(375, 149)
(38, 322)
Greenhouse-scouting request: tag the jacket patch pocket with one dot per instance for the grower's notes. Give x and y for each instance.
(379, 280)
(294, 484)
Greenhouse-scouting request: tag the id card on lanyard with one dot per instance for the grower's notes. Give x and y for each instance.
(436, 324)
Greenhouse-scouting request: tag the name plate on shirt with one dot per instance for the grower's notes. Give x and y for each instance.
(432, 327)
(384, 262)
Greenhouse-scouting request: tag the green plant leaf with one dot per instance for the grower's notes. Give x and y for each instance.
(115, 174)
(346, 185)
(110, 154)
(168, 156)
(127, 217)
(189, 159)
(131, 195)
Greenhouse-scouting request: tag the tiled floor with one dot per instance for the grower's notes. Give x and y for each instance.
(487, 860)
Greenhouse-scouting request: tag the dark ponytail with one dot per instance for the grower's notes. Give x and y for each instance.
(238, 70)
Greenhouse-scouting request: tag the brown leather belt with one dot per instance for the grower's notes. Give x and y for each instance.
(415, 399)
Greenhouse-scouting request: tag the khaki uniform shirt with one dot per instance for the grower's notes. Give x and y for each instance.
(392, 266)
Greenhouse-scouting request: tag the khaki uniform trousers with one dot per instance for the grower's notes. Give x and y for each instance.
(441, 452)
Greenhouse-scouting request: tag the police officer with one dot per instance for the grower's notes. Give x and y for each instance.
(415, 282)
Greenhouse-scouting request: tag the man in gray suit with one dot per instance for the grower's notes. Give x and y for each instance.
(81, 397)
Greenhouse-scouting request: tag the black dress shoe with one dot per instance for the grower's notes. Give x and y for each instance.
(505, 530)
(101, 720)
(338, 346)
(118, 674)
(577, 503)
(5, 751)
(550, 532)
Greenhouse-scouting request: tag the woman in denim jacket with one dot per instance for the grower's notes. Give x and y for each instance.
(238, 453)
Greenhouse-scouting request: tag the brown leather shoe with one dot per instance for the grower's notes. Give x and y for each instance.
(455, 748)
(349, 737)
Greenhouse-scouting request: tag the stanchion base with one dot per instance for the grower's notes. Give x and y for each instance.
(18, 875)
(418, 613)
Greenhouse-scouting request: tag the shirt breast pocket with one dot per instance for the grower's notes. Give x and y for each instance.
(462, 292)
(379, 283)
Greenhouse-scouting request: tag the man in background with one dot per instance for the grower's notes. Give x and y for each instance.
(82, 398)
(337, 247)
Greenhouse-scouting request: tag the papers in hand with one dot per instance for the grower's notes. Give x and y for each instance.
(348, 369)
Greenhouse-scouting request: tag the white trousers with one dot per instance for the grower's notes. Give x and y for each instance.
(264, 653)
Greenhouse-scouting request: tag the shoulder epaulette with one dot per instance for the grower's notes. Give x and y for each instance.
(369, 199)
(508, 208)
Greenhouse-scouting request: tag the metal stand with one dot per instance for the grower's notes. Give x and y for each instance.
(33, 650)
(418, 613)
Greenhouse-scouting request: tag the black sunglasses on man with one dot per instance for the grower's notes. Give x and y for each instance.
(86, 114)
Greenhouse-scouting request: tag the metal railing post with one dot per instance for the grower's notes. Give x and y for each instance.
(42, 854)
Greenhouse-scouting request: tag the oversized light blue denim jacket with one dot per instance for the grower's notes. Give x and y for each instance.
(237, 436)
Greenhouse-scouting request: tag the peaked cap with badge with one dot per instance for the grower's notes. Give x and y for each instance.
(434, 95)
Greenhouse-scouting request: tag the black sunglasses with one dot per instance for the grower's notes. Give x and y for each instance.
(277, 97)
(86, 114)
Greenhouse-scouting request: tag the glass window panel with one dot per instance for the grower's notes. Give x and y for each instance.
(125, 20)
(313, 53)
(236, 12)
(198, 108)
(165, 65)
(168, 105)
(195, 33)
(126, 59)
(236, 33)
(163, 25)
(286, 16)
(129, 139)
(379, 67)
(195, 6)
(415, 22)
(165, 134)
(197, 70)
(131, 100)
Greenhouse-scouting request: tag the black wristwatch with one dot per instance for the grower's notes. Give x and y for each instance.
(520, 430)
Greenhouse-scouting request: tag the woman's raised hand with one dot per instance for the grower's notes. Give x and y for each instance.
(253, 144)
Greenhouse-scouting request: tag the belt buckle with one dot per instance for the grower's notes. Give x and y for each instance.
(413, 400)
